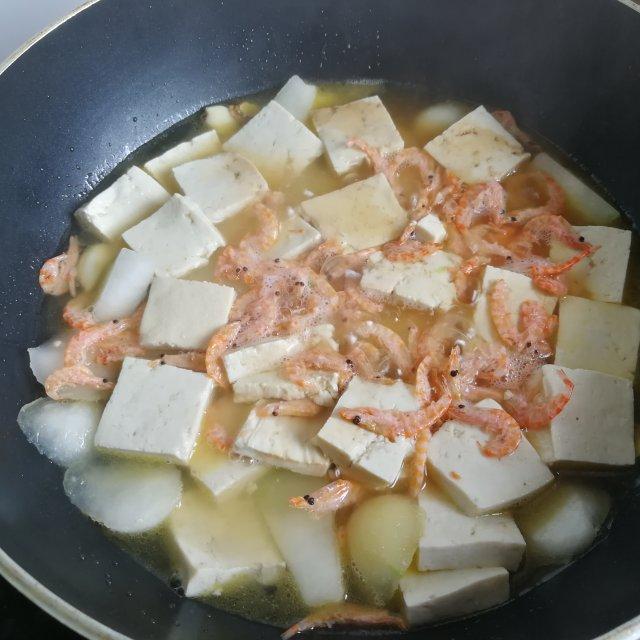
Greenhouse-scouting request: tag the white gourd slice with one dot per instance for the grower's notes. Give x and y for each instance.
(47, 357)
(61, 431)
(94, 262)
(124, 496)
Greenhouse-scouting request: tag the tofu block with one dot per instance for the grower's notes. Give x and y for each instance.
(433, 120)
(131, 198)
(125, 287)
(218, 543)
(599, 336)
(425, 284)
(477, 148)
(202, 146)
(477, 483)
(361, 215)
(453, 540)
(435, 595)
(322, 388)
(601, 276)
(178, 237)
(223, 476)
(520, 289)
(369, 457)
(297, 97)
(270, 354)
(590, 207)
(296, 237)
(221, 185)
(278, 144)
(366, 120)
(184, 314)
(282, 441)
(154, 411)
(596, 426)
(430, 229)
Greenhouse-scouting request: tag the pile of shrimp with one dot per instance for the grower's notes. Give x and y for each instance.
(449, 368)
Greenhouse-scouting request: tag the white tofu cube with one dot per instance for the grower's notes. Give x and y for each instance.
(154, 411)
(453, 540)
(370, 457)
(562, 522)
(295, 238)
(184, 314)
(219, 543)
(366, 120)
(178, 238)
(297, 97)
(270, 354)
(424, 284)
(278, 144)
(131, 198)
(520, 289)
(282, 441)
(477, 148)
(223, 476)
(590, 207)
(361, 215)
(202, 146)
(435, 595)
(222, 185)
(430, 229)
(126, 286)
(435, 119)
(596, 426)
(322, 388)
(599, 336)
(479, 484)
(601, 276)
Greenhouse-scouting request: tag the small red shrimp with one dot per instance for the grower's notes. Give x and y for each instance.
(58, 274)
(485, 200)
(419, 463)
(76, 383)
(506, 119)
(500, 314)
(541, 230)
(118, 347)
(318, 359)
(504, 430)
(78, 314)
(330, 498)
(217, 436)
(554, 204)
(318, 257)
(539, 412)
(389, 340)
(424, 391)
(367, 362)
(219, 344)
(464, 276)
(354, 296)
(545, 276)
(408, 250)
(345, 614)
(303, 408)
(538, 327)
(192, 360)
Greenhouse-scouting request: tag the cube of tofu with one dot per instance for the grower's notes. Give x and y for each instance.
(221, 185)
(322, 388)
(366, 120)
(601, 276)
(131, 198)
(297, 97)
(477, 148)
(278, 144)
(435, 595)
(477, 483)
(178, 238)
(454, 540)
(370, 457)
(596, 426)
(219, 543)
(154, 411)
(361, 215)
(599, 336)
(424, 284)
(562, 522)
(296, 237)
(202, 146)
(430, 229)
(282, 441)
(224, 477)
(270, 354)
(184, 314)
(588, 205)
(125, 287)
(520, 289)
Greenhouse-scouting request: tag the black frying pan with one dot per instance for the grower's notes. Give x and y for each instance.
(103, 83)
